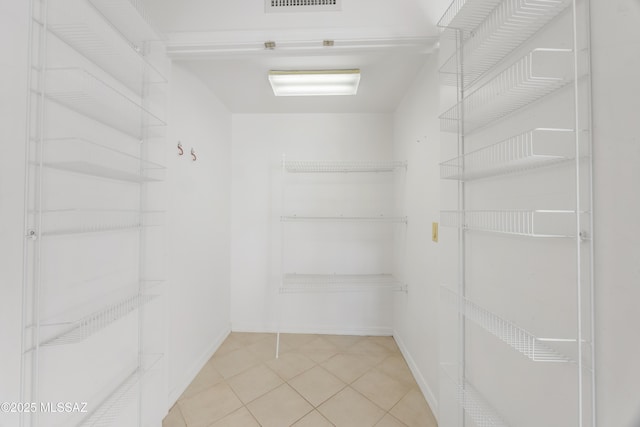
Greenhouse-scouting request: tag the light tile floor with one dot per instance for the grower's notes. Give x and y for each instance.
(318, 380)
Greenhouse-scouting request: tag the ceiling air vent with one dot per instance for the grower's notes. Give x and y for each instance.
(272, 6)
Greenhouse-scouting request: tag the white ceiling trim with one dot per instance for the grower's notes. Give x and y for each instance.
(211, 45)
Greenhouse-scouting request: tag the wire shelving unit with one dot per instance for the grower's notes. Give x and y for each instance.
(86, 94)
(80, 155)
(473, 403)
(81, 329)
(533, 149)
(64, 222)
(130, 18)
(120, 397)
(534, 76)
(496, 87)
(538, 223)
(498, 34)
(97, 82)
(524, 342)
(340, 281)
(82, 28)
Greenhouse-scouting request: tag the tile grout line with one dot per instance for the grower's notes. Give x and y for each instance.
(376, 367)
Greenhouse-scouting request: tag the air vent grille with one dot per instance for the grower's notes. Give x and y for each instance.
(302, 5)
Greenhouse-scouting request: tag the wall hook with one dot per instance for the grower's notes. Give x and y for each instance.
(180, 150)
(193, 155)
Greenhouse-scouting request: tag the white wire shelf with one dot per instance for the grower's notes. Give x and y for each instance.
(80, 91)
(534, 76)
(129, 18)
(473, 403)
(65, 222)
(81, 329)
(505, 28)
(112, 406)
(535, 148)
(299, 166)
(300, 283)
(538, 223)
(120, 397)
(375, 219)
(536, 349)
(86, 157)
(83, 28)
(467, 14)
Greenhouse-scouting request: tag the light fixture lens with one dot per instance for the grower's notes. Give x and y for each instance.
(314, 83)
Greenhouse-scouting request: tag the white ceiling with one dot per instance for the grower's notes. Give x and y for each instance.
(222, 42)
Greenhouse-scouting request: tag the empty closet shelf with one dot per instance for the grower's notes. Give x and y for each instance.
(119, 397)
(539, 223)
(374, 219)
(83, 28)
(298, 283)
(86, 157)
(529, 150)
(504, 29)
(81, 329)
(467, 14)
(536, 349)
(82, 221)
(534, 76)
(472, 401)
(84, 93)
(297, 166)
(129, 18)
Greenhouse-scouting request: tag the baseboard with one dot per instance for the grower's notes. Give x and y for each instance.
(429, 396)
(188, 377)
(313, 329)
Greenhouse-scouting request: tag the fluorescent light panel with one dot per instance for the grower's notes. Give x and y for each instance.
(314, 82)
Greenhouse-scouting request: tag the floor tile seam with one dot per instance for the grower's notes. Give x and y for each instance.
(394, 417)
(296, 391)
(394, 404)
(376, 405)
(226, 415)
(317, 365)
(293, 422)
(245, 369)
(177, 406)
(181, 399)
(306, 400)
(325, 418)
(242, 407)
(344, 385)
(287, 380)
(361, 395)
(257, 397)
(400, 400)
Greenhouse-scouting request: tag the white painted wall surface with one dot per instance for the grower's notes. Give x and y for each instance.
(402, 17)
(198, 233)
(417, 138)
(616, 108)
(14, 22)
(258, 144)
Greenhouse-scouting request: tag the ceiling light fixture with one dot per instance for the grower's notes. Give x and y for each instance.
(314, 82)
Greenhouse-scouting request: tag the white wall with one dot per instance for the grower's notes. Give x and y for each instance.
(258, 144)
(403, 17)
(14, 21)
(198, 235)
(616, 108)
(416, 136)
